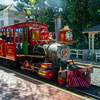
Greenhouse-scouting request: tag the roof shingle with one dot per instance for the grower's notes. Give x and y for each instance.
(92, 29)
(2, 7)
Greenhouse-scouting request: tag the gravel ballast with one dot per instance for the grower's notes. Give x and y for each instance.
(95, 76)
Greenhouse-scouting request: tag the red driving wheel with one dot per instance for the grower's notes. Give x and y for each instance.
(49, 74)
(60, 80)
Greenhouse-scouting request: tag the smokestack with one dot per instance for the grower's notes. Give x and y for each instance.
(57, 26)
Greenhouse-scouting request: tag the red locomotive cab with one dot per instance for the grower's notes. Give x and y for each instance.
(35, 33)
(35, 36)
(66, 35)
(44, 36)
(51, 36)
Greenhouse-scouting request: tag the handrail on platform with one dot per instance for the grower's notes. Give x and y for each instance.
(97, 56)
(76, 52)
(89, 65)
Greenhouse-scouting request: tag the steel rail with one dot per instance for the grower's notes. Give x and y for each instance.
(88, 94)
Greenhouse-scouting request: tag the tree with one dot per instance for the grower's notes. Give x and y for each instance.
(79, 14)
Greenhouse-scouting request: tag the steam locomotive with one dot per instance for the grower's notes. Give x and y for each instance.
(30, 45)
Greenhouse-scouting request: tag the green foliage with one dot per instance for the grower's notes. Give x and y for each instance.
(97, 41)
(46, 16)
(79, 14)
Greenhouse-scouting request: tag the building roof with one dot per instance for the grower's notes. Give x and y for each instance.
(2, 7)
(8, 7)
(94, 29)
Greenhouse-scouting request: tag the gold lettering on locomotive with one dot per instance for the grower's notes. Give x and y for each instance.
(9, 50)
(0, 48)
(62, 36)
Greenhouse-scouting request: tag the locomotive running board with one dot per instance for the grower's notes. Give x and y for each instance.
(36, 56)
(7, 58)
(22, 56)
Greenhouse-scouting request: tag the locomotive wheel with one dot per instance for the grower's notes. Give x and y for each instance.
(49, 74)
(60, 80)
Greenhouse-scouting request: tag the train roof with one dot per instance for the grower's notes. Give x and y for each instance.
(23, 24)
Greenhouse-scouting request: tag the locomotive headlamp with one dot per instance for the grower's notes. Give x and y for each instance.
(65, 52)
(86, 74)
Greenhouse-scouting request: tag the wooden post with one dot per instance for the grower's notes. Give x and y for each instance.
(89, 41)
(77, 54)
(93, 43)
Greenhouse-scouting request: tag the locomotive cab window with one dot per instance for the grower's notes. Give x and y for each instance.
(25, 33)
(12, 37)
(1, 35)
(33, 35)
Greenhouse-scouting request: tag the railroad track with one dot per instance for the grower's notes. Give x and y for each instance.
(92, 92)
(89, 91)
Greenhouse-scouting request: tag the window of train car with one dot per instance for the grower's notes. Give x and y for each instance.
(25, 33)
(19, 36)
(12, 37)
(0, 35)
(7, 36)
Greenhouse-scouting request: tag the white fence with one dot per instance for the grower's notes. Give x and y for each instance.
(76, 52)
(97, 54)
